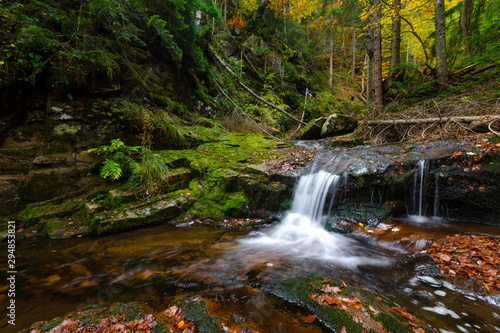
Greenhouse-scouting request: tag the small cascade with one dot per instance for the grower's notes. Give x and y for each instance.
(310, 196)
(419, 188)
(419, 206)
(301, 233)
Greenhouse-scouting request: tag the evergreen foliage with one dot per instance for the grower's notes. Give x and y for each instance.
(77, 41)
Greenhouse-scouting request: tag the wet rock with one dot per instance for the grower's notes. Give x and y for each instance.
(369, 214)
(337, 124)
(459, 180)
(354, 309)
(312, 130)
(49, 160)
(117, 317)
(133, 216)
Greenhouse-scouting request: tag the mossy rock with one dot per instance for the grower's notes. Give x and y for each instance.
(89, 317)
(337, 124)
(299, 291)
(312, 131)
(196, 310)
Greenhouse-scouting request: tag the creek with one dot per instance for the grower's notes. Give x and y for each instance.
(240, 268)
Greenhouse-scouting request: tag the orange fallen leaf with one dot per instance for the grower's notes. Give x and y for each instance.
(309, 319)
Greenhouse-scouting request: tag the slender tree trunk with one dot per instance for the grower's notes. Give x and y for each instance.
(353, 65)
(363, 75)
(465, 25)
(368, 82)
(330, 72)
(375, 51)
(396, 35)
(439, 23)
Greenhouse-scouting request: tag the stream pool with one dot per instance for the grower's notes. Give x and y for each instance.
(155, 264)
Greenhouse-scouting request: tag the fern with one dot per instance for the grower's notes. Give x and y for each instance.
(111, 170)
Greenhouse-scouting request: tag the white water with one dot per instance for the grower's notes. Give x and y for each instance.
(301, 233)
(419, 206)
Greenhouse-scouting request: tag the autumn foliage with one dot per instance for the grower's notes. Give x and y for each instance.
(471, 256)
(236, 21)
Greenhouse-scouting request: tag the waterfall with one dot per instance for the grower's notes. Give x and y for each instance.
(418, 188)
(419, 204)
(310, 196)
(301, 233)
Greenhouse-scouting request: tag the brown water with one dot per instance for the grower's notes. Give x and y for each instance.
(155, 264)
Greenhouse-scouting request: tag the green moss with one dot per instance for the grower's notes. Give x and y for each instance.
(217, 203)
(493, 138)
(391, 324)
(91, 315)
(50, 325)
(195, 310)
(298, 290)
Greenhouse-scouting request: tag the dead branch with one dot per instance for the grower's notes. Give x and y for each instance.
(244, 113)
(483, 69)
(491, 129)
(464, 70)
(251, 92)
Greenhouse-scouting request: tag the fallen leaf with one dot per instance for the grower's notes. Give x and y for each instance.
(309, 319)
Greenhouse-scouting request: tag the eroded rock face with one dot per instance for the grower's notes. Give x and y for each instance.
(448, 179)
(9, 194)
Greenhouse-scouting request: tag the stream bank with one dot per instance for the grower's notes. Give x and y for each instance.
(245, 179)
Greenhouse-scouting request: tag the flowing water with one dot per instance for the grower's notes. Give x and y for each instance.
(153, 265)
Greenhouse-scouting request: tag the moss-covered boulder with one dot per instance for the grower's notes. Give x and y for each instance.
(338, 124)
(337, 305)
(312, 131)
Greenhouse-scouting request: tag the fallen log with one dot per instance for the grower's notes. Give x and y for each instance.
(485, 68)
(251, 92)
(440, 120)
(464, 70)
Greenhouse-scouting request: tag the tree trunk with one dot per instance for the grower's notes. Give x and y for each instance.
(439, 23)
(396, 35)
(353, 65)
(374, 46)
(465, 25)
(330, 72)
